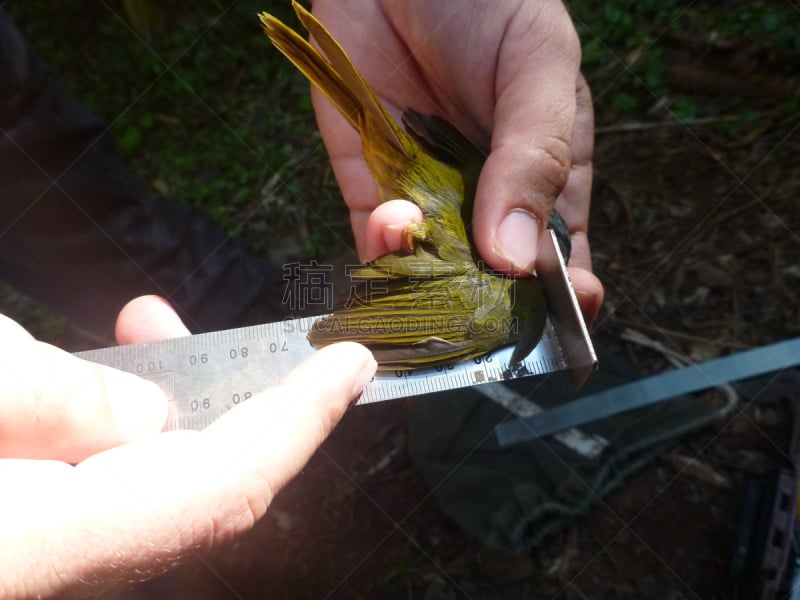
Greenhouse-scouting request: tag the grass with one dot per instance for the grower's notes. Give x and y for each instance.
(629, 45)
(203, 108)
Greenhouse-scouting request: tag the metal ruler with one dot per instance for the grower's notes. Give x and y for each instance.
(206, 375)
(649, 390)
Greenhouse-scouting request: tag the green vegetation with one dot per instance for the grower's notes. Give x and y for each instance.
(202, 107)
(631, 47)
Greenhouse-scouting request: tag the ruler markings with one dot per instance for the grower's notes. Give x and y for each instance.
(205, 375)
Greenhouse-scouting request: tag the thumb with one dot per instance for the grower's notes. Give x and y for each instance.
(530, 158)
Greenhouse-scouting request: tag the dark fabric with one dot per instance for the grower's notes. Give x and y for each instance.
(512, 498)
(80, 233)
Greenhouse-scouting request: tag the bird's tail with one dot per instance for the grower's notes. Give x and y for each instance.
(385, 144)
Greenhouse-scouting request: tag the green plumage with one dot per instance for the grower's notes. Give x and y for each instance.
(436, 303)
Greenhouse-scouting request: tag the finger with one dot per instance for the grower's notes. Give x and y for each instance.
(589, 292)
(529, 161)
(384, 230)
(358, 222)
(146, 319)
(574, 202)
(349, 168)
(135, 509)
(574, 207)
(54, 405)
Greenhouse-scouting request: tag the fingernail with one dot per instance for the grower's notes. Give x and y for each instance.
(517, 238)
(364, 377)
(141, 410)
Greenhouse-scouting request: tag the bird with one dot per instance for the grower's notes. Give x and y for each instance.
(434, 302)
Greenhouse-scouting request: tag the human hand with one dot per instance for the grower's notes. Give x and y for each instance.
(504, 73)
(138, 501)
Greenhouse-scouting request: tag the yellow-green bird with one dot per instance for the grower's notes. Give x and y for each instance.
(435, 302)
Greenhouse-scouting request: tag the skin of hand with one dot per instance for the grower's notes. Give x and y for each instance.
(135, 501)
(507, 74)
